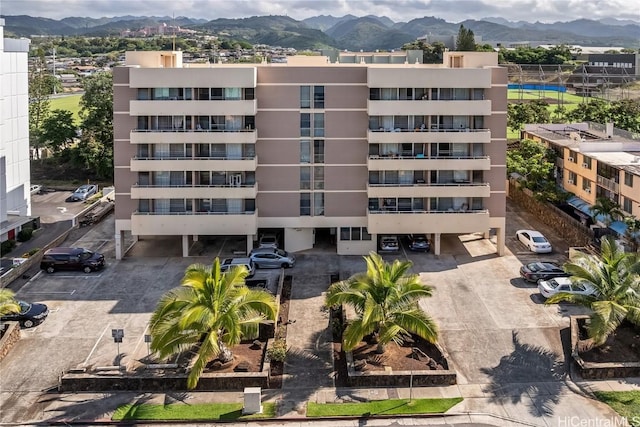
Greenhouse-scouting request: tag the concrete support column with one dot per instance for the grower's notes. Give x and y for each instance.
(436, 243)
(135, 238)
(487, 234)
(500, 237)
(195, 237)
(119, 239)
(249, 243)
(185, 245)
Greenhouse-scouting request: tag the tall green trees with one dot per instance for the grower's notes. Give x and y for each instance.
(466, 40)
(533, 161)
(212, 311)
(519, 114)
(95, 149)
(616, 277)
(58, 130)
(607, 209)
(385, 299)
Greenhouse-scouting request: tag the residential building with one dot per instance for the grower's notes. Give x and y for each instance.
(15, 200)
(594, 160)
(345, 147)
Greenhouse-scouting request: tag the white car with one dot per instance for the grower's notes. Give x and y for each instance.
(36, 189)
(551, 287)
(389, 244)
(535, 241)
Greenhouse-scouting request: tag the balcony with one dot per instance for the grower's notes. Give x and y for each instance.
(168, 164)
(468, 136)
(194, 191)
(193, 108)
(378, 163)
(407, 222)
(199, 223)
(607, 183)
(481, 189)
(429, 108)
(173, 136)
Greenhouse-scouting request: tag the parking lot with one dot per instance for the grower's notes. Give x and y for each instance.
(491, 321)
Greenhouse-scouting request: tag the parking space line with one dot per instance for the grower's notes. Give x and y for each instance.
(86, 361)
(32, 279)
(140, 340)
(96, 276)
(104, 242)
(221, 247)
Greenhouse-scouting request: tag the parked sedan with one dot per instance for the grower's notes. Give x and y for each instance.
(30, 314)
(419, 243)
(534, 240)
(541, 270)
(272, 258)
(389, 244)
(551, 287)
(84, 192)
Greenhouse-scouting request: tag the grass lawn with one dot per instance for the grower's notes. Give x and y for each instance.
(382, 407)
(203, 411)
(567, 98)
(626, 403)
(71, 103)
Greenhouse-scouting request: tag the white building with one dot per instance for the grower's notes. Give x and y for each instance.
(15, 197)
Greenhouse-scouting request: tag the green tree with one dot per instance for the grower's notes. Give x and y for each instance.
(606, 208)
(465, 41)
(533, 161)
(385, 299)
(96, 114)
(632, 232)
(58, 130)
(519, 114)
(8, 303)
(615, 275)
(596, 110)
(211, 310)
(39, 91)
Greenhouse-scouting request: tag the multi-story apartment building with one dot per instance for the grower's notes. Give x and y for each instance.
(15, 195)
(593, 161)
(351, 145)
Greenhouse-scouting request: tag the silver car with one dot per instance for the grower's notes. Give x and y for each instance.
(84, 192)
(272, 258)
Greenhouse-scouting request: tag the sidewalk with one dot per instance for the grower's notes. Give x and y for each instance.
(477, 407)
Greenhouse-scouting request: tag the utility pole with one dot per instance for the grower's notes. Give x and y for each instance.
(54, 71)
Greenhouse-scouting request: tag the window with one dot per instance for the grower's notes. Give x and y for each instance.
(305, 151)
(305, 96)
(627, 205)
(305, 178)
(318, 177)
(318, 97)
(628, 179)
(318, 204)
(305, 204)
(586, 162)
(318, 151)
(318, 124)
(573, 178)
(354, 233)
(573, 157)
(305, 124)
(586, 185)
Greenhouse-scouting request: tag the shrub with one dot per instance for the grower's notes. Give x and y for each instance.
(278, 351)
(7, 246)
(30, 253)
(25, 234)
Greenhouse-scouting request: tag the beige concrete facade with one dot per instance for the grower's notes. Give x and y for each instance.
(309, 148)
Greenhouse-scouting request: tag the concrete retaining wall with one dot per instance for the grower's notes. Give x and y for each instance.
(595, 370)
(567, 227)
(10, 338)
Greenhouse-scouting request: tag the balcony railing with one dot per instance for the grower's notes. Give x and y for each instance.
(423, 157)
(432, 129)
(607, 183)
(409, 212)
(436, 184)
(192, 186)
(192, 158)
(252, 212)
(192, 130)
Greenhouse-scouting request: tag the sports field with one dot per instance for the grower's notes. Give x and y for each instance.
(69, 102)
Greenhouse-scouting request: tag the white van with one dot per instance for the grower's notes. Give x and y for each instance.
(246, 262)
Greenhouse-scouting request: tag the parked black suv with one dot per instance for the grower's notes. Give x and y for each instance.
(71, 259)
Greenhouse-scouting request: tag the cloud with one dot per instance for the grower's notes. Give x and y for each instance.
(397, 10)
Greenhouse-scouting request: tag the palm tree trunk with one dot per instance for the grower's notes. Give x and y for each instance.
(225, 354)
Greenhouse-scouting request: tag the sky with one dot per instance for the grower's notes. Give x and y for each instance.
(397, 10)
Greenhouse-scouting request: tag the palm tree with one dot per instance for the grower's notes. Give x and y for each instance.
(211, 310)
(632, 232)
(607, 208)
(385, 299)
(615, 275)
(8, 303)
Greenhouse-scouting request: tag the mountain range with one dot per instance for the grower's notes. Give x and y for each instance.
(347, 32)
